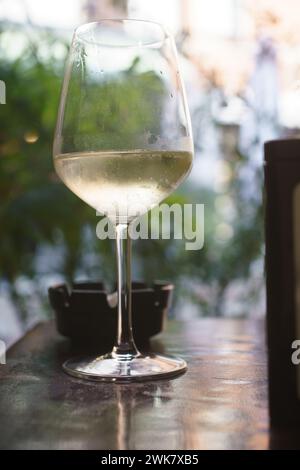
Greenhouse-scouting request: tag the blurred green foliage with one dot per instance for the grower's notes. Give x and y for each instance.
(34, 204)
(37, 210)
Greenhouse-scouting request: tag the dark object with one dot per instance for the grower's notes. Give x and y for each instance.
(282, 184)
(220, 403)
(88, 315)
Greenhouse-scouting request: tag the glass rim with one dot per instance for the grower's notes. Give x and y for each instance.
(85, 27)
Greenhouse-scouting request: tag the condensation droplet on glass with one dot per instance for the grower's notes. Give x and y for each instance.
(171, 95)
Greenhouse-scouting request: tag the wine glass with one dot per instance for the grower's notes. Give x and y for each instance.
(123, 143)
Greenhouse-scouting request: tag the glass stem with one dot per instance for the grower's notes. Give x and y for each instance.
(124, 348)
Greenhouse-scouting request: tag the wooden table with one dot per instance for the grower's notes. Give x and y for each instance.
(219, 403)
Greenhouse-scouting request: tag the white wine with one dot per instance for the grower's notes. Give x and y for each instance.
(123, 184)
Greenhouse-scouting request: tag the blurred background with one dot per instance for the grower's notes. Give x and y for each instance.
(241, 65)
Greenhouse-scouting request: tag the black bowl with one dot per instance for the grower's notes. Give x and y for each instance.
(87, 314)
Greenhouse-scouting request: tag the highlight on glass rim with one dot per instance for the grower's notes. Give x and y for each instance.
(149, 243)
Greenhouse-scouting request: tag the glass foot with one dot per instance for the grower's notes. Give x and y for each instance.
(109, 369)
